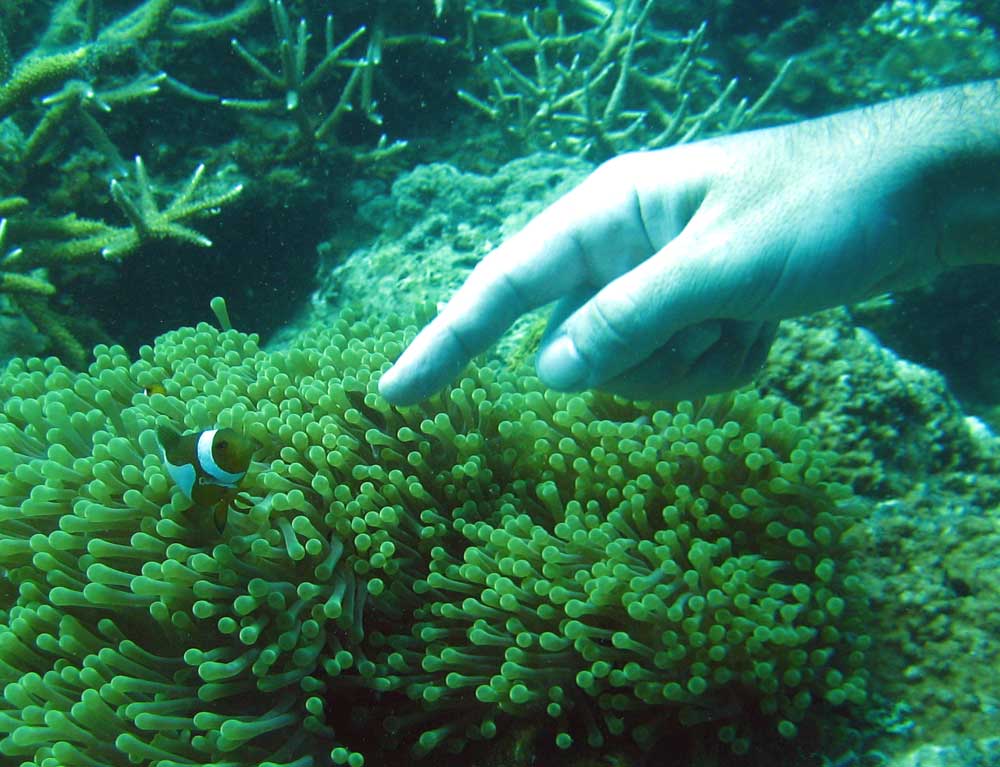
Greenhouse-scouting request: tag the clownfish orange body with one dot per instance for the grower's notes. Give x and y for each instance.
(208, 466)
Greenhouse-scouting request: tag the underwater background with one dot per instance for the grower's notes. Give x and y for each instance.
(804, 571)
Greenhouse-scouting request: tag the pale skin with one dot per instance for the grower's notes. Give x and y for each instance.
(670, 269)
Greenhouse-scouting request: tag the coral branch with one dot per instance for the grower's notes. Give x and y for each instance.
(69, 238)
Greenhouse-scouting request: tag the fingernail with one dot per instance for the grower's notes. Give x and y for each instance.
(389, 387)
(561, 366)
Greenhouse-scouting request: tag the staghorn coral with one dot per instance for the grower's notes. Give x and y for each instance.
(319, 97)
(74, 104)
(86, 85)
(616, 84)
(57, 242)
(56, 59)
(502, 552)
(75, 70)
(16, 282)
(295, 87)
(28, 293)
(63, 240)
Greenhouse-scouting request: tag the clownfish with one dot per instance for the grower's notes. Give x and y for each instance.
(208, 466)
(154, 388)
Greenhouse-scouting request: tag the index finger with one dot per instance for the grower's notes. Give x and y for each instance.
(554, 254)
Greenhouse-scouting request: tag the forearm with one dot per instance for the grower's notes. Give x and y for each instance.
(953, 137)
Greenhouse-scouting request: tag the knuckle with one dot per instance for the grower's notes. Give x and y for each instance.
(619, 170)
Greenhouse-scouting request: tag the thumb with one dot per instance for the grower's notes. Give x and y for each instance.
(698, 276)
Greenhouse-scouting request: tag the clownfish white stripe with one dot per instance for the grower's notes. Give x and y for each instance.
(208, 465)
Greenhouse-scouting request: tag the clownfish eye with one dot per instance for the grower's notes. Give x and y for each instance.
(222, 445)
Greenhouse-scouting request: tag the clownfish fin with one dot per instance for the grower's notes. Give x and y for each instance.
(168, 437)
(220, 514)
(243, 502)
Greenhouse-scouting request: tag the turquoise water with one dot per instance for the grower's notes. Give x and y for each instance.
(306, 159)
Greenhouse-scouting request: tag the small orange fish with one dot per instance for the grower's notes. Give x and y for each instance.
(155, 388)
(208, 466)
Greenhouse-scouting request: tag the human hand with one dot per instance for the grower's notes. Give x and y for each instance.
(671, 268)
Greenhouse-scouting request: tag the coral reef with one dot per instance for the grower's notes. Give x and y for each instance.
(502, 565)
(899, 48)
(296, 89)
(87, 84)
(437, 572)
(934, 588)
(890, 419)
(304, 112)
(615, 85)
(930, 560)
(432, 226)
(68, 239)
(81, 69)
(946, 325)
